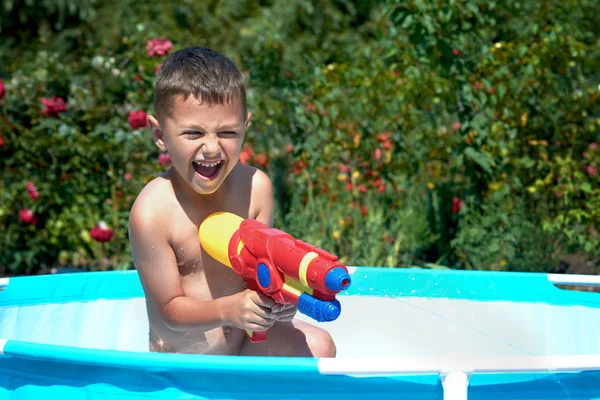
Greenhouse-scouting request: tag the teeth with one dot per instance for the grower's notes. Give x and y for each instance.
(209, 165)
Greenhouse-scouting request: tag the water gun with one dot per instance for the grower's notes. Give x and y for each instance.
(272, 262)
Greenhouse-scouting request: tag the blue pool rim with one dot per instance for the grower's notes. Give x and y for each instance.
(367, 281)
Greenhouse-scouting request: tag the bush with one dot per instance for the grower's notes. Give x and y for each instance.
(397, 134)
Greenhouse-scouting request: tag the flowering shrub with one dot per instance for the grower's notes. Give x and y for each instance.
(462, 133)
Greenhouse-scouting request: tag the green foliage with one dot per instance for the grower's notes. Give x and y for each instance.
(397, 133)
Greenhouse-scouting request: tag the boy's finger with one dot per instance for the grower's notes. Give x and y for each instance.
(277, 308)
(265, 301)
(284, 314)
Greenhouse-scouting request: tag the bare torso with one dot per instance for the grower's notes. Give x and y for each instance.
(201, 276)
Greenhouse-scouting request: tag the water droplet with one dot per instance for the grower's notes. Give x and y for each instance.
(413, 278)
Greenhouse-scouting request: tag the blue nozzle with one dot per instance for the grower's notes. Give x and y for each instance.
(319, 310)
(337, 279)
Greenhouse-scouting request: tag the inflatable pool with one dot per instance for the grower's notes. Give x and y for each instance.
(403, 334)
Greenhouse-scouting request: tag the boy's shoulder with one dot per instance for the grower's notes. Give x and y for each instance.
(257, 177)
(150, 205)
(256, 186)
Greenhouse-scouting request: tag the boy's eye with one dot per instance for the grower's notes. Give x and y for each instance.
(193, 133)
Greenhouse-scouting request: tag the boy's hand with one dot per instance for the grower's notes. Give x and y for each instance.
(250, 310)
(284, 312)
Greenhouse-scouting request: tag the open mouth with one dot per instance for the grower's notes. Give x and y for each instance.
(208, 170)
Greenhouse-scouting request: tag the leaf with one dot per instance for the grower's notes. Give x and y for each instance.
(482, 159)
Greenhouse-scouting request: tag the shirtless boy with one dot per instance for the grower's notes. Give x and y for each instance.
(194, 303)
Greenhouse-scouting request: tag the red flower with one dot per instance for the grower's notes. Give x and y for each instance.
(2, 89)
(26, 216)
(54, 106)
(101, 233)
(137, 119)
(164, 159)
(379, 185)
(1, 141)
(299, 166)
(246, 155)
(262, 159)
(363, 210)
(456, 204)
(158, 46)
(592, 170)
(455, 52)
(289, 148)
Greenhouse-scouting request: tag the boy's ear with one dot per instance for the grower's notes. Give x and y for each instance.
(157, 133)
(248, 116)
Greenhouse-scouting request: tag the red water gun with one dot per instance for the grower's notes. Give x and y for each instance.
(272, 262)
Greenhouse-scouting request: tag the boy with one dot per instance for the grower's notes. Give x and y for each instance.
(194, 303)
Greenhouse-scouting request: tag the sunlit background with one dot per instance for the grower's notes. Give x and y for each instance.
(437, 134)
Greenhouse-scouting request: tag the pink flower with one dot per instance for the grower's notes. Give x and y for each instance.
(32, 190)
(289, 148)
(592, 170)
(101, 233)
(456, 204)
(54, 106)
(378, 154)
(1, 141)
(158, 46)
(34, 194)
(26, 216)
(344, 169)
(593, 146)
(158, 67)
(456, 126)
(127, 176)
(137, 119)
(2, 89)
(164, 159)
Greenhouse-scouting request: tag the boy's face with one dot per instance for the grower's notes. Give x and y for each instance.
(204, 142)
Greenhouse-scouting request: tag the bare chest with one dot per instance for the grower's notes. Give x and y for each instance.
(201, 276)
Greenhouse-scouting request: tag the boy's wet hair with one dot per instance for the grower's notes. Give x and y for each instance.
(200, 72)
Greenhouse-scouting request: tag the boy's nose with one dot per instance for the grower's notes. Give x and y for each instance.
(211, 148)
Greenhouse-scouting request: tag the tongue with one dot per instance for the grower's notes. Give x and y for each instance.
(207, 171)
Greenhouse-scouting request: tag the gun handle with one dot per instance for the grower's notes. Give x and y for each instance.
(257, 337)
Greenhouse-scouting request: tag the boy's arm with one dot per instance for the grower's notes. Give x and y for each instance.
(157, 267)
(159, 274)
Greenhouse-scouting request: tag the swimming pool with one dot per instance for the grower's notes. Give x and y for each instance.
(403, 333)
